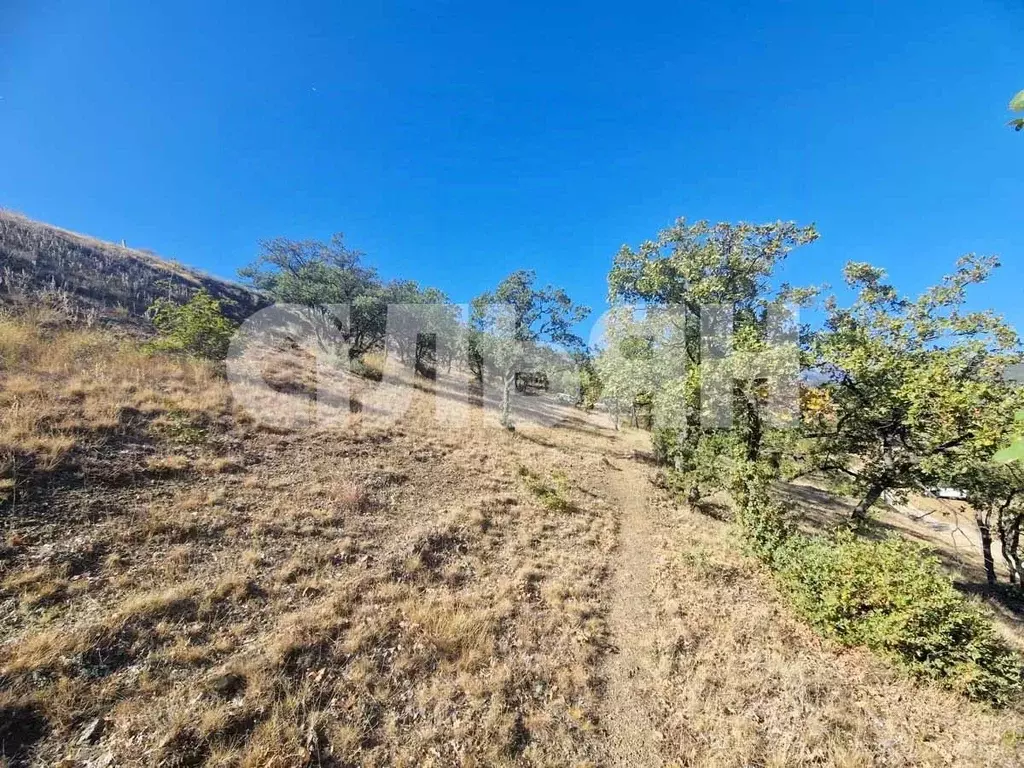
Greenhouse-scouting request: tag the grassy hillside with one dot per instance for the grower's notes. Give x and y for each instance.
(185, 583)
(181, 586)
(99, 281)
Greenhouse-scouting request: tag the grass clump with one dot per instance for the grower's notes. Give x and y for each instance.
(889, 596)
(550, 495)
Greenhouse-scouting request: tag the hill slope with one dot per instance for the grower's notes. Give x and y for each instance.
(192, 588)
(99, 280)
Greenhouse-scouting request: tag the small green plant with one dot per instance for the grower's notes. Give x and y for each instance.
(181, 427)
(196, 328)
(551, 496)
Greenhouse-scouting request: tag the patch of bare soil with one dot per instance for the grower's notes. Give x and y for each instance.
(631, 669)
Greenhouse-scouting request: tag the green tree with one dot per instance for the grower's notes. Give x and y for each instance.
(434, 316)
(197, 327)
(319, 274)
(995, 493)
(915, 387)
(510, 323)
(690, 270)
(1017, 105)
(627, 364)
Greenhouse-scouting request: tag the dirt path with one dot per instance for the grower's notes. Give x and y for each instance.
(630, 672)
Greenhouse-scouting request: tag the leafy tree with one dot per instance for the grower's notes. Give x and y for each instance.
(512, 322)
(996, 495)
(1017, 105)
(318, 274)
(694, 269)
(915, 387)
(995, 491)
(437, 320)
(197, 327)
(591, 385)
(627, 364)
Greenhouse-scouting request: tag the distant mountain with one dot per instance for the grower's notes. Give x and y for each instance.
(97, 280)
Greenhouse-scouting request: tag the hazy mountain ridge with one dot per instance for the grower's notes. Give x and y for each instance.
(107, 282)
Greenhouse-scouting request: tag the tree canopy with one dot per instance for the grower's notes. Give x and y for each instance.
(1017, 105)
(513, 324)
(913, 386)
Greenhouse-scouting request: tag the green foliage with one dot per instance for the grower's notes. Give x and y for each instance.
(550, 495)
(1017, 105)
(888, 596)
(181, 427)
(321, 275)
(892, 598)
(912, 387)
(1014, 452)
(995, 492)
(689, 271)
(759, 514)
(517, 326)
(195, 328)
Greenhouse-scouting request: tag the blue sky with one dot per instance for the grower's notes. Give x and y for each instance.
(454, 142)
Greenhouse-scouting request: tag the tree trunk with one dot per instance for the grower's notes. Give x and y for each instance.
(1004, 544)
(985, 529)
(1012, 550)
(755, 433)
(506, 399)
(860, 512)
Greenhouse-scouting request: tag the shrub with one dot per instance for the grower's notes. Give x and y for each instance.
(197, 328)
(889, 596)
(892, 598)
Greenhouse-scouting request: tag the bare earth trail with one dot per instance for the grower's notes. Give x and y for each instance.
(632, 693)
(631, 671)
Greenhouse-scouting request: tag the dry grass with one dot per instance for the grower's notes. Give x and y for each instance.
(73, 391)
(379, 595)
(747, 684)
(426, 592)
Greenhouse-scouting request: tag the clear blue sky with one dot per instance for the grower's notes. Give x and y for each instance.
(454, 142)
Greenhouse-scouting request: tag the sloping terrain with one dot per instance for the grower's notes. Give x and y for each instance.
(183, 585)
(96, 281)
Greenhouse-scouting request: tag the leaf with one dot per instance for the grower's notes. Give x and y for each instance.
(1017, 103)
(1013, 452)
(1017, 124)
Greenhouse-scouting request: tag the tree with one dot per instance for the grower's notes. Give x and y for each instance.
(915, 387)
(995, 493)
(695, 269)
(197, 327)
(509, 323)
(1017, 105)
(429, 312)
(626, 364)
(319, 274)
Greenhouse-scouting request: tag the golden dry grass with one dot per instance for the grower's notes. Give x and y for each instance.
(386, 594)
(67, 390)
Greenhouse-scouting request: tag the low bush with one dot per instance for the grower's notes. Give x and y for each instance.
(889, 596)
(198, 327)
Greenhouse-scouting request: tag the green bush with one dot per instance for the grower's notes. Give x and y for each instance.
(196, 328)
(894, 599)
(889, 596)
